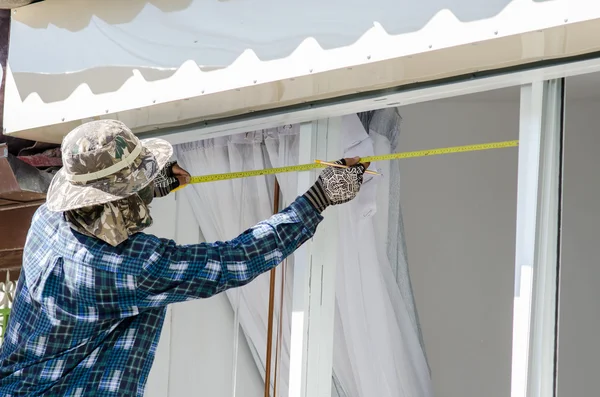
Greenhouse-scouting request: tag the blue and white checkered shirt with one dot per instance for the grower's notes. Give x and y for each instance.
(87, 316)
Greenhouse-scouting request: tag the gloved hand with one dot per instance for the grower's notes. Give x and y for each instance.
(337, 185)
(170, 177)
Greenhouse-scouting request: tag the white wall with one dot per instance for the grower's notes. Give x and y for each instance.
(195, 352)
(460, 224)
(579, 351)
(460, 216)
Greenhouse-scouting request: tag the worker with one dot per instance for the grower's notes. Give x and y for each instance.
(91, 299)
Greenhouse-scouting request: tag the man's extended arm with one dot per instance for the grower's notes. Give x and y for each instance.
(175, 273)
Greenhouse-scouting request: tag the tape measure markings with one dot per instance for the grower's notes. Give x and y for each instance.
(371, 159)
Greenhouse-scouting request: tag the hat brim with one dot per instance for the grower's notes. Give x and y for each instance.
(64, 195)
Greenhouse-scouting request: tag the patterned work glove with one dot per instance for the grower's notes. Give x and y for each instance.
(336, 186)
(165, 181)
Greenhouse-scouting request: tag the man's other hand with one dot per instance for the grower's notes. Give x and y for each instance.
(182, 175)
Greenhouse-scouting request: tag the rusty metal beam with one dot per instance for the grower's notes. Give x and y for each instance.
(7, 206)
(14, 226)
(4, 45)
(11, 259)
(14, 223)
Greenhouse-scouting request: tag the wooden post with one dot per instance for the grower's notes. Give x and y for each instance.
(279, 330)
(271, 306)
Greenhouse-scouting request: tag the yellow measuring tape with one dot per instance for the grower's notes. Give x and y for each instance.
(371, 159)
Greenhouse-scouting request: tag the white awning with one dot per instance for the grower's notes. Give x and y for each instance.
(159, 63)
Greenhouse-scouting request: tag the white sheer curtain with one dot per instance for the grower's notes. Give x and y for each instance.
(225, 209)
(378, 349)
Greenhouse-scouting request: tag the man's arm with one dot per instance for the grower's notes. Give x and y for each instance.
(175, 273)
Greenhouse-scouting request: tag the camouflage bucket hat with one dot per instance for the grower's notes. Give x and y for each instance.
(104, 161)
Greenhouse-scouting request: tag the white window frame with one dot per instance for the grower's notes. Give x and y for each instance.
(543, 330)
(538, 226)
(312, 327)
(313, 301)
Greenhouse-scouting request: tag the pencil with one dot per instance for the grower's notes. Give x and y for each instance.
(343, 166)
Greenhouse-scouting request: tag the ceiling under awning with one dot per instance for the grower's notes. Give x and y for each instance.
(162, 63)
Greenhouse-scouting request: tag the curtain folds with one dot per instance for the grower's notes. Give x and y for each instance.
(378, 348)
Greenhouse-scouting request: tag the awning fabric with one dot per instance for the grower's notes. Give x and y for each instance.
(160, 63)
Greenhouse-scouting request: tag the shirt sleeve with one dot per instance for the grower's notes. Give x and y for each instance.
(174, 273)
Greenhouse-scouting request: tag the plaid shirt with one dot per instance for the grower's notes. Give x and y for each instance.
(87, 316)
